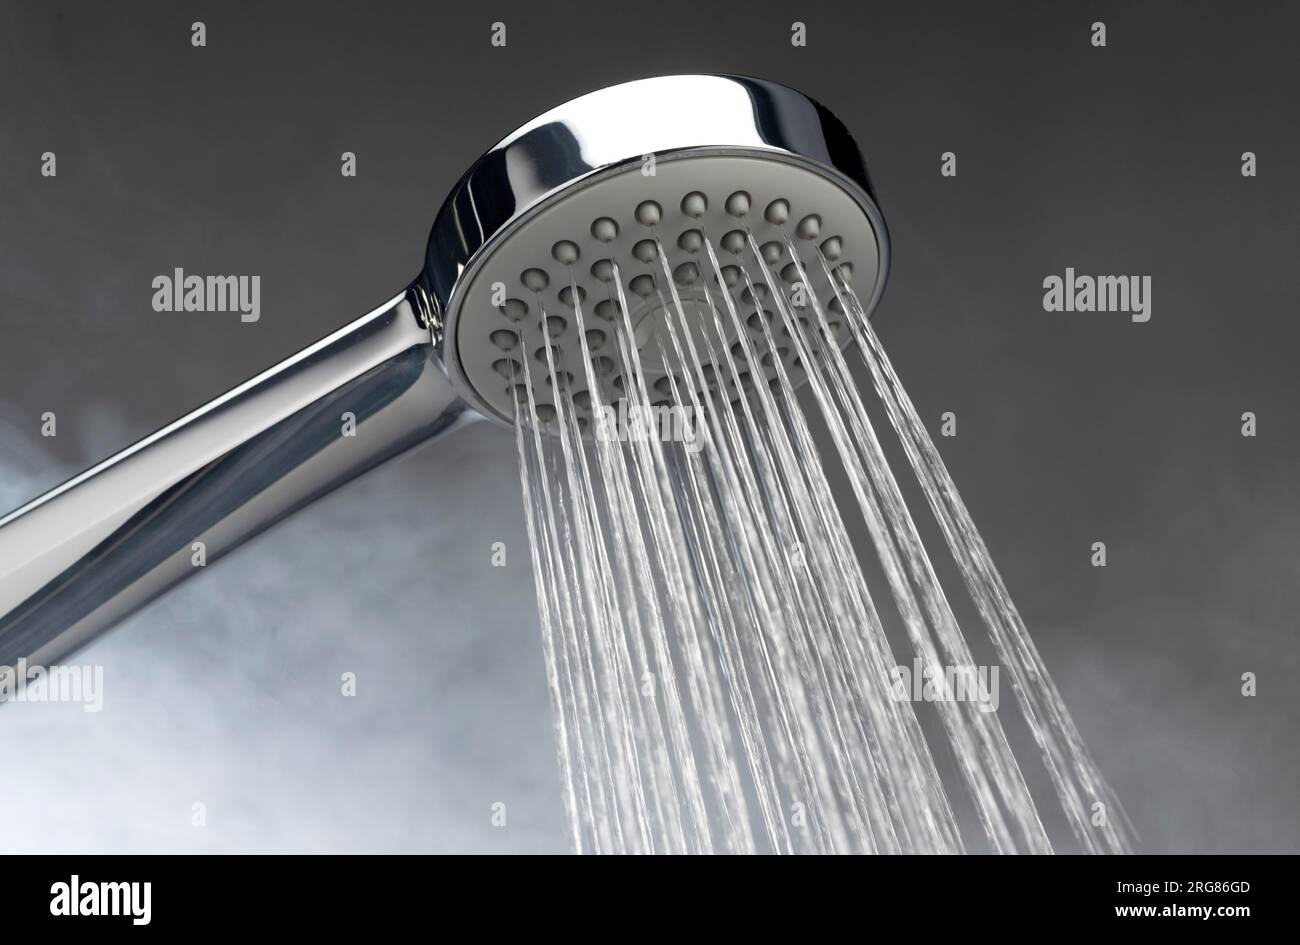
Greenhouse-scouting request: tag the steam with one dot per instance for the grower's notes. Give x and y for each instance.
(227, 692)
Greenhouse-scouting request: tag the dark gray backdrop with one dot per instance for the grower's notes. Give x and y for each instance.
(1073, 428)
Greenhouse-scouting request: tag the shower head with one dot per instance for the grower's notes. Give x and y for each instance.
(557, 220)
(541, 224)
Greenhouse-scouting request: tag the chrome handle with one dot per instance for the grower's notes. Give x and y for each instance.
(88, 553)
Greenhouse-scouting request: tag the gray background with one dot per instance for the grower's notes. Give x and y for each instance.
(1073, 428)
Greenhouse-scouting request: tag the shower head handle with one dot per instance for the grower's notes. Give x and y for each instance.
(88, 553)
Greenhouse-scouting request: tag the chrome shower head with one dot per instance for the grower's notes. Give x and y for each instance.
(541, 223)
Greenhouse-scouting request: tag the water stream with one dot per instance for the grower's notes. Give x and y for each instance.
(719, 658)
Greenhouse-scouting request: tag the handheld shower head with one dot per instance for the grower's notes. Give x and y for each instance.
(543, 221)
(563, 216)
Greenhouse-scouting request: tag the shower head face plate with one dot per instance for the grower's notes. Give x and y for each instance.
(582, 240)
(544, 220)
